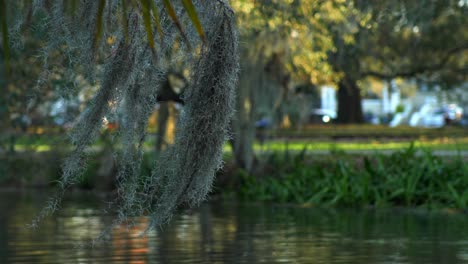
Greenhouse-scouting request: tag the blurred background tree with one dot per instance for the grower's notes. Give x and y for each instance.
(284, 46)
(291, 48)
(426, 40)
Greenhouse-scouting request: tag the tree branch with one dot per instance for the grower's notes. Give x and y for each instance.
(418, 69)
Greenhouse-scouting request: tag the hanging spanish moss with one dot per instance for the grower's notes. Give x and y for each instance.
(111, 44)
(202, 128)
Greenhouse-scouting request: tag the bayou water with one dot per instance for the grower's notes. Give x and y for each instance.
(231, 232)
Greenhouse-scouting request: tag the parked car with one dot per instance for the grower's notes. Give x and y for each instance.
(441, 116)
(435, 118)
(322, 116)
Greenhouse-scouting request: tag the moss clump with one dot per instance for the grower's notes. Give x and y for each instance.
(127, 75)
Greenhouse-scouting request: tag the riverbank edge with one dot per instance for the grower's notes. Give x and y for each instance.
(34, 170)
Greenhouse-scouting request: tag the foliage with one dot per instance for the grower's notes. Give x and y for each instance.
(409, 177)
(342, 42)
(147, 8)
(294, 34)
(405, 40)
(399, 39)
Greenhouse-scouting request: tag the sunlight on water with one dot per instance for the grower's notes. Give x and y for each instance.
(232, 233)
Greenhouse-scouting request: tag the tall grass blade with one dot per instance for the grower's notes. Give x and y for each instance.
(460, 199)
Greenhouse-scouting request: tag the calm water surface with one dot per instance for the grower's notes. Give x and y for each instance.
(232, 233)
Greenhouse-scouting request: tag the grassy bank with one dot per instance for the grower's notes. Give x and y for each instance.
(409, 177)
(443, 143)
(403, 178)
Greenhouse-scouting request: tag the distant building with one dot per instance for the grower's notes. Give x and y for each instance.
(328, 98)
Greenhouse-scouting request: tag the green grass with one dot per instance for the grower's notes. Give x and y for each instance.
(326, 145)
(297, 145)
(318, 138)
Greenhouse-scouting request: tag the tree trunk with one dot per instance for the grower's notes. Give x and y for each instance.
(243, 129)
(349, 102)
(243, 123)
(242, 148)
(166, 94)
(163, 117)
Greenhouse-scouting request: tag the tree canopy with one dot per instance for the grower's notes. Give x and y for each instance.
(342, 42)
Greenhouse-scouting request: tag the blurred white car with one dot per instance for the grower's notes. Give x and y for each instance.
(435, 118)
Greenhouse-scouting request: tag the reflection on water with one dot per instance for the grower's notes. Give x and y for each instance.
(232, 233)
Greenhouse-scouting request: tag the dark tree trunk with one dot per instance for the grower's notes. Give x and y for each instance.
(163, 117)
(242, 148)
(243, 130)
(167, 93)
(349, 102)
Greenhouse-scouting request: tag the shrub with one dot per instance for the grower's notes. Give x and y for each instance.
(410, 177)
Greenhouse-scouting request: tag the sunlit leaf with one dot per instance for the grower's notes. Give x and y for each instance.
(146, 7)
(5, 38)
(155, 12)
(192, 13)
(171, 12)
(99, 24)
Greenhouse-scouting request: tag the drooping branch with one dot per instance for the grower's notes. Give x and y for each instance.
(418, 69)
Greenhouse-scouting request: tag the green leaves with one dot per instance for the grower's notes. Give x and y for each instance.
(404, 178)
(151, 15)
(146, 8)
